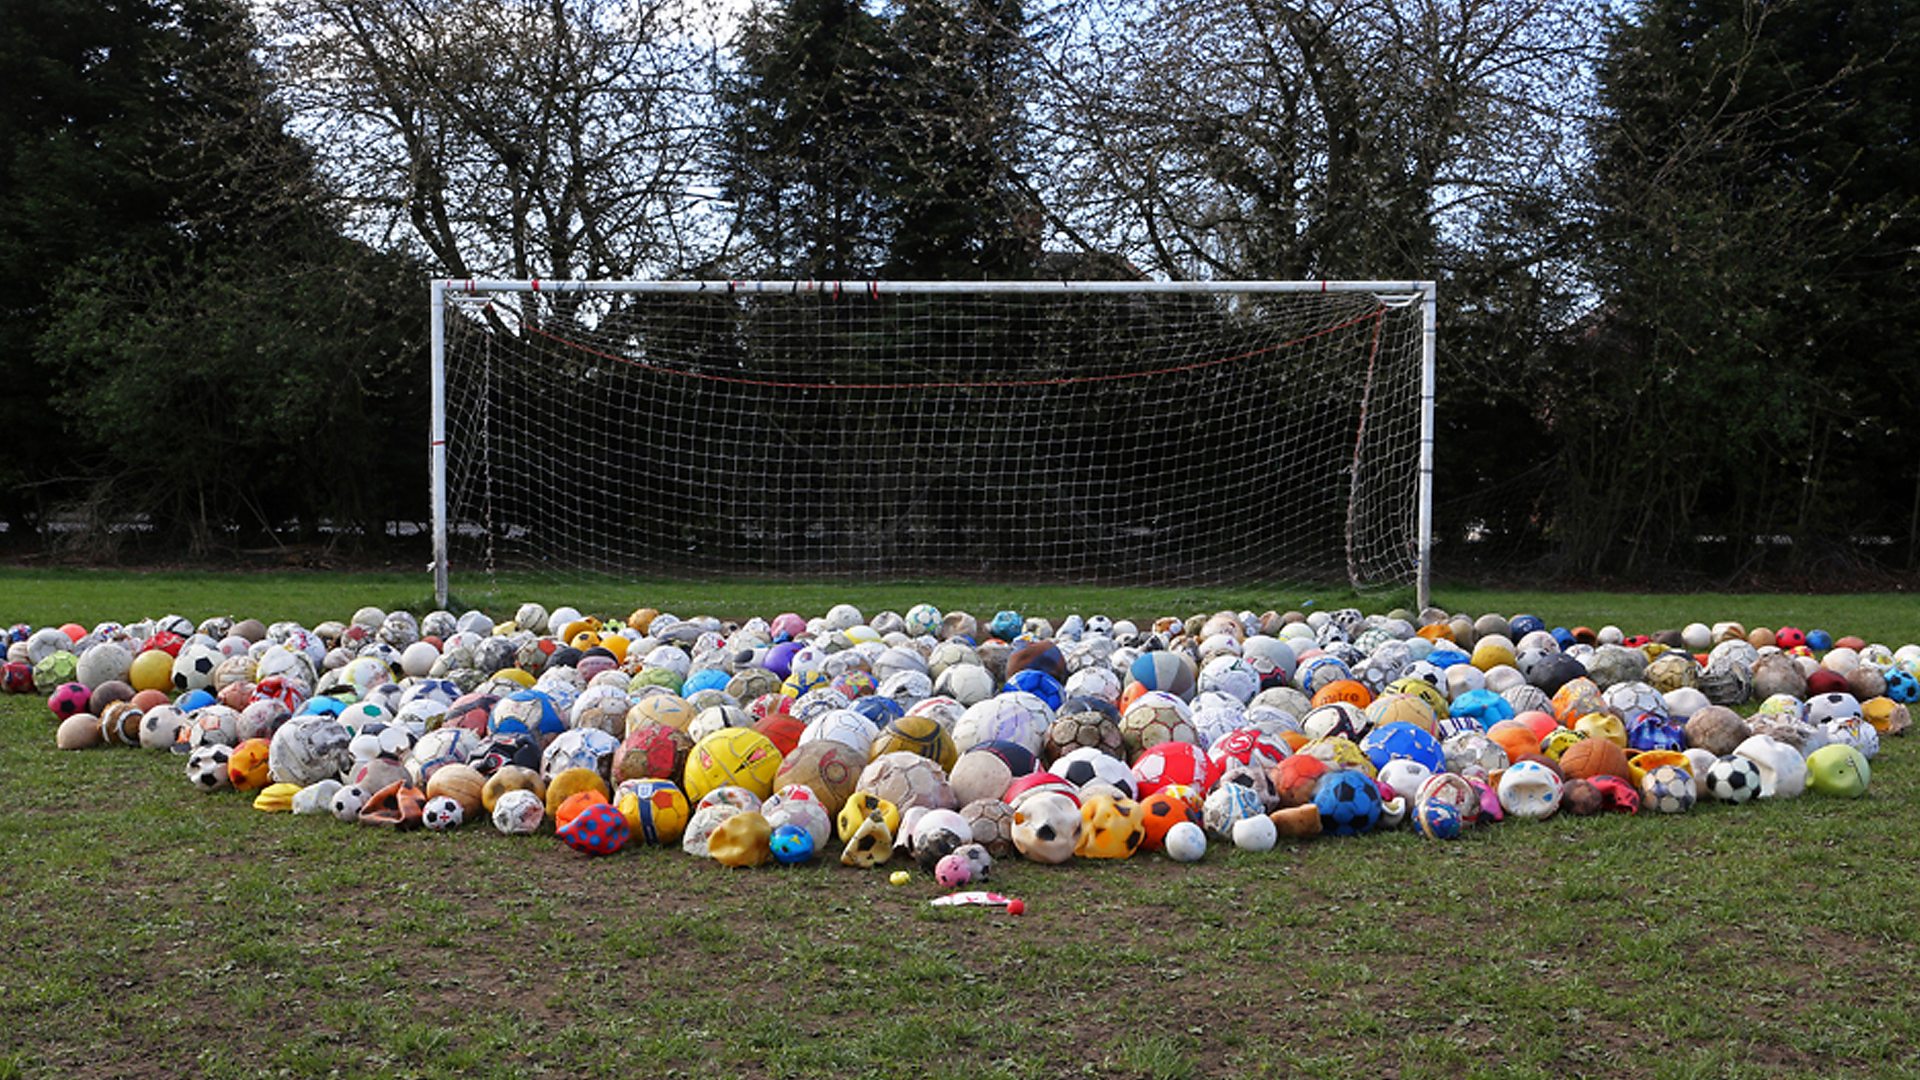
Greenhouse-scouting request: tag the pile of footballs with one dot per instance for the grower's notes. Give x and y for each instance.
(955, 741)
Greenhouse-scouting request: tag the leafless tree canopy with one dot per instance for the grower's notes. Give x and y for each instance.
(1340, 137)
(522, 138)
(1197, 138)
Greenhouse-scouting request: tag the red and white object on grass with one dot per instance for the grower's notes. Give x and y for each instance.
(977, 898)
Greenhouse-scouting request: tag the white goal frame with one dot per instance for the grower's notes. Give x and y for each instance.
(1423, 292)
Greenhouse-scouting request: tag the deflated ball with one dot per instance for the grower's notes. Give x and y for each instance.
(1668, 789)
(597, 830)
(1110, 828)
(1046, 827)
(1255, 834)
(1838, 770)
(1437, 820)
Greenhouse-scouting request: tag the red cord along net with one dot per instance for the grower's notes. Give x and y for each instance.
(1170, 438)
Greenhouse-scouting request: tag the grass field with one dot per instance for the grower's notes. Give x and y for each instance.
(151, 930)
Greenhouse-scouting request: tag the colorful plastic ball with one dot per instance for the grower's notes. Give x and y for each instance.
(1838, 770)
(597, 830)
(1186, 842)
(791, 844)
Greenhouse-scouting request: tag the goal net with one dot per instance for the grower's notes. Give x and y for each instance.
(1231, 434)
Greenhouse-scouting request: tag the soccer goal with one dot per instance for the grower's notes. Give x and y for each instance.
(1114, 432)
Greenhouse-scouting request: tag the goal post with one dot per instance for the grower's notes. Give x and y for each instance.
(1206, 433)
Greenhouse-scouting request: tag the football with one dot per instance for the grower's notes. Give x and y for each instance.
(442, 813)
(1156, 717)
(1086, 727)
(1088, 765)
(207, 767)
(1668, 789)
(1733, 780)
(1348, 801)
(193, 668)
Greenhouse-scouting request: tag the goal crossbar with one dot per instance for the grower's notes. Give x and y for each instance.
(442, 290)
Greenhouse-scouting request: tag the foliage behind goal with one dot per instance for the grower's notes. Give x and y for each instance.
(1116, 432)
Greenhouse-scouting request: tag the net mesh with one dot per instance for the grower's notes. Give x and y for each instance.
(1141, 437)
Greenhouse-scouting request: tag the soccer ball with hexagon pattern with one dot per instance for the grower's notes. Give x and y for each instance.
(1668, 789)
(1090, 765)
(1733, 780)
(1156, 717)
(442, 813)
(1902, 686)
(207, 767)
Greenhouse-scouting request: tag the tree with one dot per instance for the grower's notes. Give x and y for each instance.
(1754, 185)
(234, 364)
(1349, 139)
(528, 138)
(83, 91)
(956, 180)
(862, 144)
(805, 118)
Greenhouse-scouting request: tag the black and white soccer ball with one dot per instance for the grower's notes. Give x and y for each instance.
(1824, 708)
(193, 668)
(346, 802)
(207, 767)
(1089, 764)
(1733, 780)
(442, 813)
